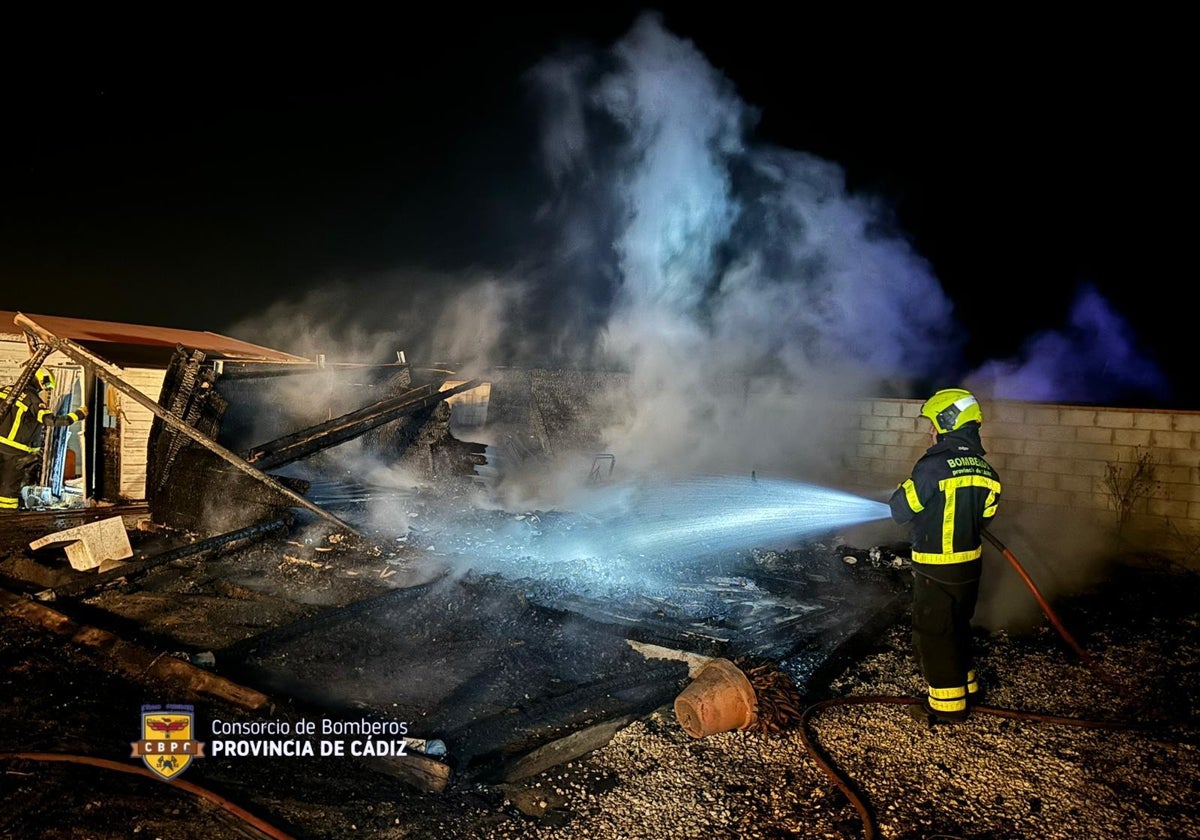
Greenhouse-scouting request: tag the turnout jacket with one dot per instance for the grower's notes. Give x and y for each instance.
(22, 424)
(952, 494)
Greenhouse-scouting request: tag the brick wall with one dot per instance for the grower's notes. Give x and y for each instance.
(1055, 457)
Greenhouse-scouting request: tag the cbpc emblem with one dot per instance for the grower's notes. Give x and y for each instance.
(167, 746)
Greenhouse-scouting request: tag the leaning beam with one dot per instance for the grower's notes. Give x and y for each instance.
(308, 441)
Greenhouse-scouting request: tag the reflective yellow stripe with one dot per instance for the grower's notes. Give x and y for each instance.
(947, 693)
(910, 496)
(948, 699)
(948, 705)
(10, 438)
(16, 425)
(16, 445)
(950, 488)
(8, 503)
(41, 415)
(946, 559)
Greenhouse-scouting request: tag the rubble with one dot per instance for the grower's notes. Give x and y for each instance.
(994, 778)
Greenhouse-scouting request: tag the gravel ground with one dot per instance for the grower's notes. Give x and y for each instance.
(990, 777)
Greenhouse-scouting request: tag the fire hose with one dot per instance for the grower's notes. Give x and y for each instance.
(844, 784)
(264, 828)
(1058, 625)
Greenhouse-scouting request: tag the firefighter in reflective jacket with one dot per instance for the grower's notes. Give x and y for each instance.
(21, 436)
(949, 499)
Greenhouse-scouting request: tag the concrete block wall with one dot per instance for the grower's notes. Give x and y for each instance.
(1054, 456)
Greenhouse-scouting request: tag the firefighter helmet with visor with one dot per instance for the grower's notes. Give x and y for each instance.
(45, 379)
(950, 409)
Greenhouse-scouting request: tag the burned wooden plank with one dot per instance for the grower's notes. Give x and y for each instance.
(187, 388)
(420, 771)
(301, 444)
(212, 546)
(104, 372)
(133, 660)
(573, 746)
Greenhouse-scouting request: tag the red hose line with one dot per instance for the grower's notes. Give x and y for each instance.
(239, 812)
(1058, 625)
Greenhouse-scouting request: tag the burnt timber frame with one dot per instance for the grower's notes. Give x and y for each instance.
(301, 444)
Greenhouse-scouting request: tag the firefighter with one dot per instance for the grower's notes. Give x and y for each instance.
(21, 436)
(950, 497)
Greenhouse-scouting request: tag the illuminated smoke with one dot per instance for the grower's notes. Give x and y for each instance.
(740, 286)
(1093, 359)
(724, 260)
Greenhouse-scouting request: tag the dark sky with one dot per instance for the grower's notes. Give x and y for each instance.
(190, 173)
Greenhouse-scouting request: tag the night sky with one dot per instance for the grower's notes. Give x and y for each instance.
(195, 177)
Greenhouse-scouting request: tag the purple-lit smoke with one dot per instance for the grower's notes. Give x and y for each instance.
(1093, 359)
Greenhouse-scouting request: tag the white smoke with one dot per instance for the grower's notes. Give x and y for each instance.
(750, 284)
(741, 287)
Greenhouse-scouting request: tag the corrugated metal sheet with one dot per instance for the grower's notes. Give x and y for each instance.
(87, 330)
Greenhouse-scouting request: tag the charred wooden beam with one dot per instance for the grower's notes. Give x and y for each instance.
(134, 660)
(189, 389)
(200, 549)
(308, 441)
(103, 370)
(226, 369)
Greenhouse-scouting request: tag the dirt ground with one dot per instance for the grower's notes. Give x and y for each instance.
(992, 778)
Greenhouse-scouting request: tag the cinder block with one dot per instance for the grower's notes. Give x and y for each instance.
(1039, 480)
(1054, 498)
(1172, 440)
(1186, 421)
(1023, 463)
(91, 544)
(1096, 434)
(1115, 419)
(1041, 416)
(1152, 420)
(869, 450)
(1006, 413)
(885, 408)
(1133, 437)
(1057, 433)
(1009, 446)
(1077, 417)
(1172, 509)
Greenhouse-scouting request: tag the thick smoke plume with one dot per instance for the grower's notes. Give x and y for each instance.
(741, 288)
(744, 285)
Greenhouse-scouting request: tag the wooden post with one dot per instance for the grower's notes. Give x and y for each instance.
(101, 368)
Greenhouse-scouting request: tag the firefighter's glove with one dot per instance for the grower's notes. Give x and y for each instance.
(81, 412)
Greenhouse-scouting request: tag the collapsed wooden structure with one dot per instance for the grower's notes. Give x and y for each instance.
(195, 483)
